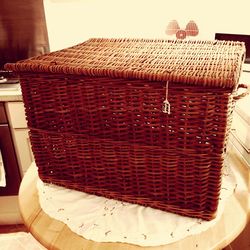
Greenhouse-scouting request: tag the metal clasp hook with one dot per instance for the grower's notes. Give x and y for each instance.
(166, 104)
(166, 107)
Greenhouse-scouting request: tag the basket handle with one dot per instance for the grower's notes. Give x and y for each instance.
(245, 93)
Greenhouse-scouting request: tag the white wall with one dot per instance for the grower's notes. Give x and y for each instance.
(72, 21)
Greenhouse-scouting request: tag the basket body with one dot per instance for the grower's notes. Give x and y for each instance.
(108, 136)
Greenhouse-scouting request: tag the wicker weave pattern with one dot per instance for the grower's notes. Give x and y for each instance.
(96, 121)
(207, 63)
(109, 137)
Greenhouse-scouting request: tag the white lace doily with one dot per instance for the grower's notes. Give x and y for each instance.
(106, 220)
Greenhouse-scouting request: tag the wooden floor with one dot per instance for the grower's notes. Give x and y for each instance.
(16, 237)
(12, 228)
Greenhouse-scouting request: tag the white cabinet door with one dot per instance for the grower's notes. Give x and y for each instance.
(16, 114)
(19, 130)
(23, 149)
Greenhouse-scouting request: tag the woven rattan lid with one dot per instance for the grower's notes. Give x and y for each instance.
(207, 63)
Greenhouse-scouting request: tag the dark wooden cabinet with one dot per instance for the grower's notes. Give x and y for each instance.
(12, 173)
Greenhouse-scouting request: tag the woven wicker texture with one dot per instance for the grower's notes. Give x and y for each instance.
(108, 135)
(208, 63)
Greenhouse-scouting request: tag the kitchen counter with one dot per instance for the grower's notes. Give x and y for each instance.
(10, 95)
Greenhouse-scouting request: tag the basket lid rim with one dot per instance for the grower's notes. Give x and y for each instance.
(194, 62)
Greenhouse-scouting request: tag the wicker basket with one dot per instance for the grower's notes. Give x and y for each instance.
(142, 121)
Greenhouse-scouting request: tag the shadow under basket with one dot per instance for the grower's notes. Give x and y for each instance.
(102, 130)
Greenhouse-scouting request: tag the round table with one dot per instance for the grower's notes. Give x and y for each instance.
(54, 234)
